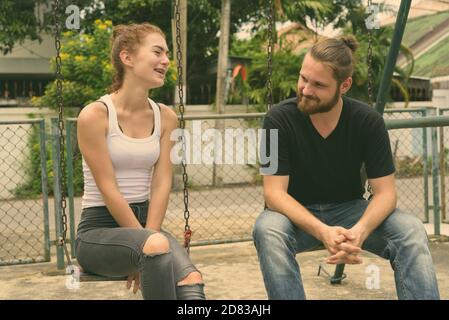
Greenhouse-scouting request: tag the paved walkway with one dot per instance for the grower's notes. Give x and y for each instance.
(231, 271)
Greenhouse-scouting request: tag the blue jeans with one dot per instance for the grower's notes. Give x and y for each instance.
(401, 238)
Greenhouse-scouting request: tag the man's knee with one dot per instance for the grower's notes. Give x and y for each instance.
(156, 243)
(271, 223)
(408, 229)
(419, 232)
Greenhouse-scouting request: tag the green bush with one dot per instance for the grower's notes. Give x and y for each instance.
(87, 69)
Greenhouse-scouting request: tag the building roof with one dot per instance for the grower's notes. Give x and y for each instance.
(434, 62)
(418, 8)
(30, 57)
(25, 66)
(417, 28)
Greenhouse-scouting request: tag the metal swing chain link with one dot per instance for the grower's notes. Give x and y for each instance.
(370, 60)
(59, 100)
(187, 231)
(270, 49)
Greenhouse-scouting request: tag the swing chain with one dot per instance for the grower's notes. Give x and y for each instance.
(270, 49)
(187, 231)
(62, 183)
(370, 60)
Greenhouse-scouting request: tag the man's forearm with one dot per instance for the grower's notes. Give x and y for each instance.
(283, 203)
(380, 207)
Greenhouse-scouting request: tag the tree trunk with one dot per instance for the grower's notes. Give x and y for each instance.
(222, 71)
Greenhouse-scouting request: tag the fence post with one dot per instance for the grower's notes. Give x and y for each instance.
(70, 191)
(426, 171)
(57, 192)
(435, 179)
(44, 181)
(442, 171)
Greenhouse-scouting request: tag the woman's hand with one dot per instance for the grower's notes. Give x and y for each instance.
(136, 278)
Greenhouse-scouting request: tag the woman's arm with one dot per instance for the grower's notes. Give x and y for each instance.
(92, 130)
(162, 174)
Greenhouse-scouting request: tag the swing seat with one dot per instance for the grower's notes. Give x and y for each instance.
(90, 277)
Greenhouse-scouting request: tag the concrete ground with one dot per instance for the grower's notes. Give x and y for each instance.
(231, 272)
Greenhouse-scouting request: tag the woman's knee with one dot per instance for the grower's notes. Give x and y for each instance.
(156, 243)
(192, 278)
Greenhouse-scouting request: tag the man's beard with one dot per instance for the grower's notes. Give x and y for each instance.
(312, 104)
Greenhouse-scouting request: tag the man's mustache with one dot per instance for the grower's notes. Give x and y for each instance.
(308, 97)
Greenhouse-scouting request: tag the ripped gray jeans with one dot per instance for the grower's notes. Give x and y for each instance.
(106, 249)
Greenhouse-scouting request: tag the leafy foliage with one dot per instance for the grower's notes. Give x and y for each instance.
(87, 69)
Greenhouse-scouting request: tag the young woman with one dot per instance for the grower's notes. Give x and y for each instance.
(124, 138)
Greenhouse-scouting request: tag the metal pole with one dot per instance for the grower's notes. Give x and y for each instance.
(57, 192)
(435, 176)
(442, 172)
(432, 121)
(70, 193)
(426, 172)
(44, 181)
(384, 87)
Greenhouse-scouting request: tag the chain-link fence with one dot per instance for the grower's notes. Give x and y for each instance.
(411, 148)
(225, 197)
(24, 223)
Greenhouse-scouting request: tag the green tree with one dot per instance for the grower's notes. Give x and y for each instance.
(349, 16)
(87, 69)
(25, 20)
(203, 24)
(18, 23)
(285, 70)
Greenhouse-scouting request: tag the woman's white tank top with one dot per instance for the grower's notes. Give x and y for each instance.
(133, 160)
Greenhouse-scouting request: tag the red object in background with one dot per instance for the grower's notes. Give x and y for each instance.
(239, 68)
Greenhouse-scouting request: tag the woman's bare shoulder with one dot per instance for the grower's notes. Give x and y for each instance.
(168, 114)
(93, 118)
(95, 111)
(169, 119)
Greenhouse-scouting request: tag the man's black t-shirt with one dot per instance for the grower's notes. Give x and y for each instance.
(328, 170)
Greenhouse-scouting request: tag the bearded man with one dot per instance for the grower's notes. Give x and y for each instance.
(315, 195)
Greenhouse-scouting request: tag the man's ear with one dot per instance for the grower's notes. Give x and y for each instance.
(346, 85)
(125, 57)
